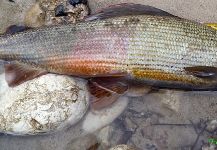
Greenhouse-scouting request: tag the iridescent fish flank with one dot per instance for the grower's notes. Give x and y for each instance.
(122, 44)
(95, 53)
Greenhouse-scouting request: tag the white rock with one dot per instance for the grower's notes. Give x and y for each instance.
(95, 120)
(121, 147)
(212, 125)
(45, 104)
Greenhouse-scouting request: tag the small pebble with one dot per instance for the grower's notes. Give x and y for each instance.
(60, 11)
(75, 2)
(122, 147)
(11, 1)
(14, 29)
(212, 125)
(208, 147)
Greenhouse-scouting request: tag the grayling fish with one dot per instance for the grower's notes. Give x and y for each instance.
(127, 43)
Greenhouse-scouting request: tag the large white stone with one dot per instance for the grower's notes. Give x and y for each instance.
(45, 104)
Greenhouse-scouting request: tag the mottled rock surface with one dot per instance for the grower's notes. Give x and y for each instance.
(62, 11)
(37, 13)
(42, 105)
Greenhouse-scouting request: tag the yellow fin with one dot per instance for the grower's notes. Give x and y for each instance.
(212, 25)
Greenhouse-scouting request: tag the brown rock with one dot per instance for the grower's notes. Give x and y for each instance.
(35, 16)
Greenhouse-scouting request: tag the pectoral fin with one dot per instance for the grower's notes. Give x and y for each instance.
(205, 72)
(16, 74)
(127, 9)
(105, 91)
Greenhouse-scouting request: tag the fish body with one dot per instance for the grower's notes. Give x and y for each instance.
(143, 48)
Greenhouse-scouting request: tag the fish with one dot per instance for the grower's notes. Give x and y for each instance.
(116, 48)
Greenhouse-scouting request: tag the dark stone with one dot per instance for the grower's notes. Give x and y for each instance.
(75, 2)
(15, 29)
(11, 1)
(60, 11)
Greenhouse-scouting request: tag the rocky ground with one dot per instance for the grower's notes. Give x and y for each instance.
(161, 120)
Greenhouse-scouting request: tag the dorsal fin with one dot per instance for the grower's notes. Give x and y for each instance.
(126, 9)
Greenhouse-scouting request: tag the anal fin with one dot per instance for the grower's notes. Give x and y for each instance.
(16, 74)
(105, 91)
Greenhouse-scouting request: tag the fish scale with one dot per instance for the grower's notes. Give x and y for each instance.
(155, 48)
